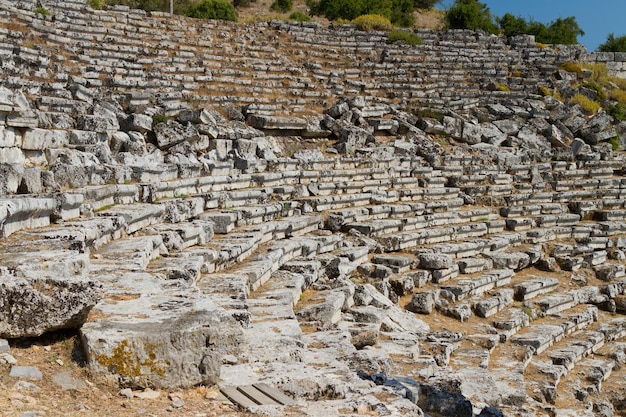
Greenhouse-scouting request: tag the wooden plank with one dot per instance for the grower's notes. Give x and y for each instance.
(237, 397)
(256, 395)
(275, 394)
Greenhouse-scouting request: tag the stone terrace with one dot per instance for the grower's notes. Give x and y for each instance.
(311, 235)
(283, 68)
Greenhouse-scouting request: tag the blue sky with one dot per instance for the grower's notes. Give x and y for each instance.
(597, 18)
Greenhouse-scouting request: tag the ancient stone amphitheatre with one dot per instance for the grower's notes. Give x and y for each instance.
(368, 228)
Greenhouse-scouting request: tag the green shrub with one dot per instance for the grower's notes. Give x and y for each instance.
(409, 38)
(614, 141)
(544, 91)
(502, 87)
(470, 14)
(159, 118)
(96, 4)
(369, 22)
(618, 95)
(428, 113)
(299, 16)
(399, 12)
(618, 111)
(213, 9)
(242, 3)
(598, 89)
(613, 44)
(42, 11)
(570, 66)
(588, 106)
(424, 4)
(282, 5)
(402, 13)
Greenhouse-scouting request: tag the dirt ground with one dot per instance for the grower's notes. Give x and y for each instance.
(59, 353)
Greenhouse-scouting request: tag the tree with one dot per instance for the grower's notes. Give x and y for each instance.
(613, 44)
(471, 14)
(513, 26)
(562, 31)
(424, 4)
(213, 9)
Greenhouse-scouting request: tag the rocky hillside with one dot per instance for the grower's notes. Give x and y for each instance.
(366, 227)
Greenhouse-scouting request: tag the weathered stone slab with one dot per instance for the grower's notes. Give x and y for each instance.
(492, 305)
(539, 337)
(534, 287)
(54, 303)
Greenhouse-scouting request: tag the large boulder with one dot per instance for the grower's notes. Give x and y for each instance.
(30, 307)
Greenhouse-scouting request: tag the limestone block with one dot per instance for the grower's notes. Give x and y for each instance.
(42, 139)
(515, 260)
(277, 123)
(423, 302)
(9, 138)
(531, 288)
(137, 122)
(171, 133)
(33, 306)
(492, 305)
(97, 124)
(13, 155)
(429, 260)
(10, 177)
(183, 350)
(6, 100)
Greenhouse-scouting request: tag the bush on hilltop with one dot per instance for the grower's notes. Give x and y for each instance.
(613, 44)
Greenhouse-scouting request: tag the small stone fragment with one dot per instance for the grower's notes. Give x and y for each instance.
(148, 394)
(27, 372)
(126, 392)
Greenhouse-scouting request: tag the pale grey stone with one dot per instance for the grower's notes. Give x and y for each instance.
(26, 372)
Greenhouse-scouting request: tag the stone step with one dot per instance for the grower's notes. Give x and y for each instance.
(542, 336)
(29, 212)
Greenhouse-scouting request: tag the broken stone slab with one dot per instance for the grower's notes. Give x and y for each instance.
(433, 261)
(324, 308)
(515, 261)
(26, 372)
(67, 382)
(463, 288)
(442, 275)
(511, 321)
(4, 346)
(539, 337)
(138, 123)
(398, 264)
(534, 287)
(182, 349)
(474, 265)
(172, 133)
(265, 122)
(609, 272)
(33, 306)
(555, 303)
(43, 139)
(423, 302)
(461, 312)
(492, 305)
